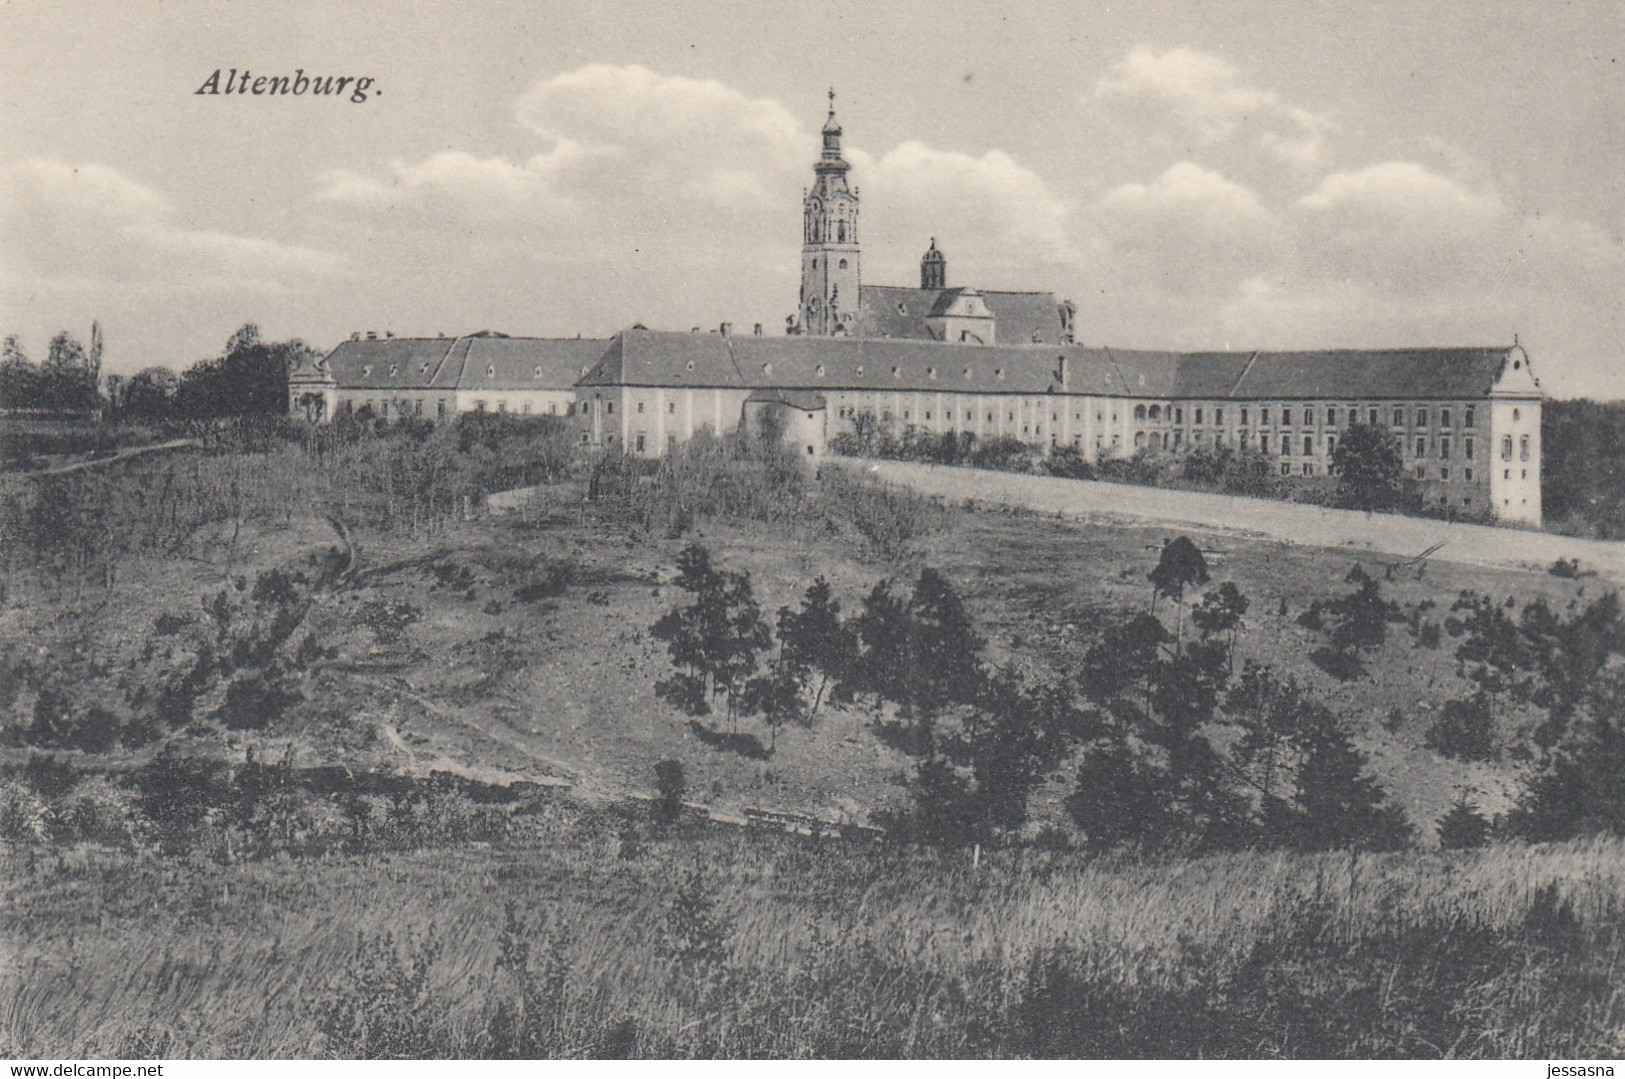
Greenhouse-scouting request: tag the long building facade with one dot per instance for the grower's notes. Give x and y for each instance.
(996, 364)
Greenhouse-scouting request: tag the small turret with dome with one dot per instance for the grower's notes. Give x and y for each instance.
(933, 268)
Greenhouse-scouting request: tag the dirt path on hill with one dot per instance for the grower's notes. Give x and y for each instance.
(559, 773)
(1288, 522)
(121, 455)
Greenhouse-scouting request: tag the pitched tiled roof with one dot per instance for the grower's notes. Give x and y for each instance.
(1379, 374)
(654, 358)
(443, 363)
(640, 357)
(391, 363)
(890, 311)
(529, 363)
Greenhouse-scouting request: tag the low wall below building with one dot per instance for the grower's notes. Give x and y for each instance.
(1291, 522)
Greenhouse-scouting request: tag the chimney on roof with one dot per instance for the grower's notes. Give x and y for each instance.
(372, 335)
(355, 335)
(442, 334)
(694, 329)
(726, 329)
(390, 334)
(758, 331)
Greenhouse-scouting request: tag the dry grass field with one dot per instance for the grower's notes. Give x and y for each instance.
(594, 933)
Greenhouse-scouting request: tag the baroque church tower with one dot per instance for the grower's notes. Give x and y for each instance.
(829, 242)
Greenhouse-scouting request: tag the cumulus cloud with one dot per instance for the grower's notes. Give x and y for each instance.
(1210, 96)
(640, 176)
(993, 215)
(92, 226)
(1191, 229)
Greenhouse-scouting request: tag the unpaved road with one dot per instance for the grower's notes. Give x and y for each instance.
(1290, 522)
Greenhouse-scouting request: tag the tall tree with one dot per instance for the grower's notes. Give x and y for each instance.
(19, 376)
(1180, 567)
(249, 379)
(1369, 468)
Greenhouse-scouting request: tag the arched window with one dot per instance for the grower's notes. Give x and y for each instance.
(1139, 440)
(843, 264)
(1156, 413)
(1139, 417)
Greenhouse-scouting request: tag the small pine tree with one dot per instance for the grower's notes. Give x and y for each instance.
(1463, 827)
(1341, 807)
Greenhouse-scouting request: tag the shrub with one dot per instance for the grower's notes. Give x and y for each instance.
(670, 787)
(1464, 730)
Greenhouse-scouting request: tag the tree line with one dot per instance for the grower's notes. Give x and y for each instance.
(248, 378)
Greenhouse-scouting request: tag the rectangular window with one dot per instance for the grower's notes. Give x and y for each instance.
(1444, 417)
(640, 410)
(1421, 447)
(1354, 416)
(1218, 417)
(1286, 416)
(1467, 474)
(1421, 417)
(1308, 415)
(1308, 446)
(1244, 417)
(1308, 469)
(1331, 445)
(1198, 417)
(1286, 469)
(1418, 471)
(1399, 417)
(609, 407)
(671, 408)
(927, 414)
(440, 408)
(1472, 414)
(1371, 417)
(479, 406)
(671, 442)
(1506, 447)
(640, 442)
(1286, 445)
(526, 408)
(1444, 474)
(967, 413)
(1467, 448)
(1264, 416)
(1444, 447)
(1179, 415)
(1523, 447)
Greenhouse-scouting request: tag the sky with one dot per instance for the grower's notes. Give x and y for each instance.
(1211, 175)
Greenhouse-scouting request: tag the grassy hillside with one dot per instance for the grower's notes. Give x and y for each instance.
(295, 760)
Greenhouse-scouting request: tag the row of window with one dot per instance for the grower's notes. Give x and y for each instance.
(1199, 414)
(414, 407)
(423, 370)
